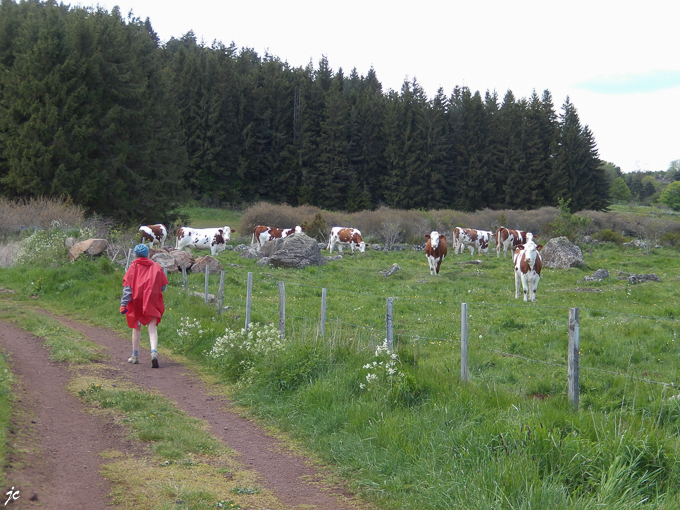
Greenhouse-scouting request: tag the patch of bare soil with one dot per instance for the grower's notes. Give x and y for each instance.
(58, 467)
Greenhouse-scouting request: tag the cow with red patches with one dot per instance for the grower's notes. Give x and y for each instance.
(262, 233)
(213, 239)
(506, 238)
(343, 236)
(435, 250)
(153, 234)
(528, 264)
(471, 238)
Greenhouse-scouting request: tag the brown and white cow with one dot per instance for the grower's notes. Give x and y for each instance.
(435, 250)
(213, 239)
(153, 234)
(506, 238)
(471, 238)
(262, 233)
(528, 264)
(343, 236)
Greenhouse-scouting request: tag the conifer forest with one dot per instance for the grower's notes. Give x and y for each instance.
(95, 108)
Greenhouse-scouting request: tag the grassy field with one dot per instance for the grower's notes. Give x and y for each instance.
(401, 426)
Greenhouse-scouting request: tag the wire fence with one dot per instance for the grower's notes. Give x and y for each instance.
(377, 317)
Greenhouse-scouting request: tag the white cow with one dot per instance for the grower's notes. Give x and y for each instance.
(471, 238)
(154, 234)
(528, 264)
(263, 233)
(342, 236)
(213, 239)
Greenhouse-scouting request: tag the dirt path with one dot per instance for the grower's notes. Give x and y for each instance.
(61, 471)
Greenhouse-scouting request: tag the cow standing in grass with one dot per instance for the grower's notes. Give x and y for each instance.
(263, 233)
(528, 264)
(153, 234)
(435, 250)
(213, 239)
(506, 238)
(342, 236)
(471, 238)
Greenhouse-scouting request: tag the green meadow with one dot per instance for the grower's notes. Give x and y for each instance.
(400, 426)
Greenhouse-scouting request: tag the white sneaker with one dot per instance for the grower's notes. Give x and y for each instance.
(154, 360)
(134, 360)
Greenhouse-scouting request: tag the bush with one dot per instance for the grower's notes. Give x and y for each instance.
(37, 214)
(609, 236)
(240, 354)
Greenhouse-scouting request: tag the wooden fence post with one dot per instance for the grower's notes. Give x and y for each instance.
(220, 295)
(127, 260)
(388, 324)
(322, 324)
(282, 309)
(207, 281)
(572, 369)
(249, 292)
(463, 343)
(184, 277)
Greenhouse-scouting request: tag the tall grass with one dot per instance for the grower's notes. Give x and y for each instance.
(506, 439)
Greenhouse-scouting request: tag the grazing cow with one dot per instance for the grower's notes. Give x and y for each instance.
(153, 234)
(213, 239)
(435, 250)
(342, 236)
(472, 239)
(262, 234)
(528, 264)
(506, 238)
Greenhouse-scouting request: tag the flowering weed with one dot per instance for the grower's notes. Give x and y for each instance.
(239, 353)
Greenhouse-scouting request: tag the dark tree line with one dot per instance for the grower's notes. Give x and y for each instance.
(93, 107)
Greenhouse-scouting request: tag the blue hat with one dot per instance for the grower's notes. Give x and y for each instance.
(142, 250)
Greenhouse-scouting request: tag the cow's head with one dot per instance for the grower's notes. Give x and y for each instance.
(434, 238)
(226, 232)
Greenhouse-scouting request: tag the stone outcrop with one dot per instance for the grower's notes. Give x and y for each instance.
(560, 253)
(297, 251)
(597, 276)
(214, 266)
(92, 247)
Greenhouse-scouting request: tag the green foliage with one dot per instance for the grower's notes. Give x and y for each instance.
(93, 107)
(619, 190)
(608, 236)
(317, 228)
(241, 354)
(45, 247)
(86, 112)
(671, 196)
(567, 224)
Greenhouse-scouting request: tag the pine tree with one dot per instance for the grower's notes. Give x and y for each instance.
(333, 164)
(577, 165)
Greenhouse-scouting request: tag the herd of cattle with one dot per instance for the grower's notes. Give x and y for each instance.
(526, 256)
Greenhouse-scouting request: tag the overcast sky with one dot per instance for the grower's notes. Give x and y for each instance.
(619, 62)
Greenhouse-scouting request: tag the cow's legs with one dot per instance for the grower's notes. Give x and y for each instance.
(517, 283)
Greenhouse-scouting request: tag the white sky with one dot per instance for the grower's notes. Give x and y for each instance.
(617, 61)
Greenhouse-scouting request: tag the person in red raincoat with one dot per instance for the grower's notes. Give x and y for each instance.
(142, 301)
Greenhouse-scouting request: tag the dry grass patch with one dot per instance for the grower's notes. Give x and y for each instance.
(37, 213)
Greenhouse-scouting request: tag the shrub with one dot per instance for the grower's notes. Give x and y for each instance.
(609, 236)
(238, 354)
(567, 224)
(280, 216)
(46, 247)
(670, 238)
(317, 228)
(37, 214)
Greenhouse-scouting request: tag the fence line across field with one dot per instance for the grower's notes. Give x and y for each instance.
(573, 368)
